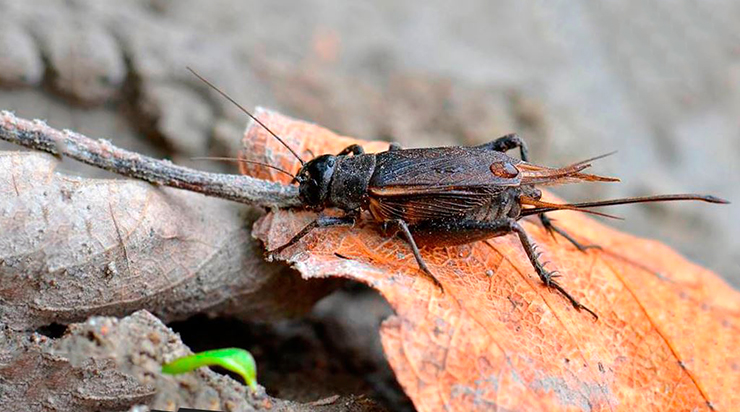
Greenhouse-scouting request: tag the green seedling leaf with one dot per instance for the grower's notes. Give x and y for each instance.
(236, 360)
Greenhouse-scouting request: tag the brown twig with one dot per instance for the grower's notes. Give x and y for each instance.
(101, 153)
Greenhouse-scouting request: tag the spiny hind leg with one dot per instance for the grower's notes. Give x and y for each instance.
(552, 229)
(506, 143)
(546, 277)
(452, 232)
(463, 231)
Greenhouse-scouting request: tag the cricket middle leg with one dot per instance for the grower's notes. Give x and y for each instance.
(404, 229)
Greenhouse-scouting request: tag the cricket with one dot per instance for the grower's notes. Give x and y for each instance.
(445, 196)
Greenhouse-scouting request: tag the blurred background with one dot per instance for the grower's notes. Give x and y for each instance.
(659, 82)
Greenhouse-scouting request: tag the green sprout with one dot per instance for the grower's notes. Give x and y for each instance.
(236, 360)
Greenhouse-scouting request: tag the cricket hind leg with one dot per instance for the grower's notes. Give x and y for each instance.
(406, 232)
(464, 231)
(552, 229)
(546, 277)
(506, 143)
(320, 222)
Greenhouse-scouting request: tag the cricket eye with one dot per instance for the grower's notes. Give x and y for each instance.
(504, 169)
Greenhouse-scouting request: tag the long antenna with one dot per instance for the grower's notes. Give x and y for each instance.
(234, 159)
(247, 112)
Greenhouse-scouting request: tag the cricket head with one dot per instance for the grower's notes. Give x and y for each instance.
(314, 180)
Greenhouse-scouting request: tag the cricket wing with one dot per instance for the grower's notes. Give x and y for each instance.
(444, 167)
(423, 184)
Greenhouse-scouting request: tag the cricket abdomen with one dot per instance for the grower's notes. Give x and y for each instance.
(452, 232)
(503, 205)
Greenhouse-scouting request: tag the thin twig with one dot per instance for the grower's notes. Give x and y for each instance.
(101, 153)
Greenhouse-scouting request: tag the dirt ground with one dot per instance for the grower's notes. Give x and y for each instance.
(658, 83)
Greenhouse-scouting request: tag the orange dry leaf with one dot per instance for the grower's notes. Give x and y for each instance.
(497, 339)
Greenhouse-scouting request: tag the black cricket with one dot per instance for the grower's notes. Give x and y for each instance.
(445, 196)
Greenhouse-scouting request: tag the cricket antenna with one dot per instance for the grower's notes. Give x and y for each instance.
(222, 93)
(234, 159)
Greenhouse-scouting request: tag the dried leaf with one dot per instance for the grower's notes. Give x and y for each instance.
(666, 338)
(73, 247)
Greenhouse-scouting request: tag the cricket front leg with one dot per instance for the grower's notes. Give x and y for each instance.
(355, 149)
(404, 228)
(551, 228)
(321, 221)
(506, 143)
(546, 277)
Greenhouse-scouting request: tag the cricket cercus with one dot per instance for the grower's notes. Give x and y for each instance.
(445, 195)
